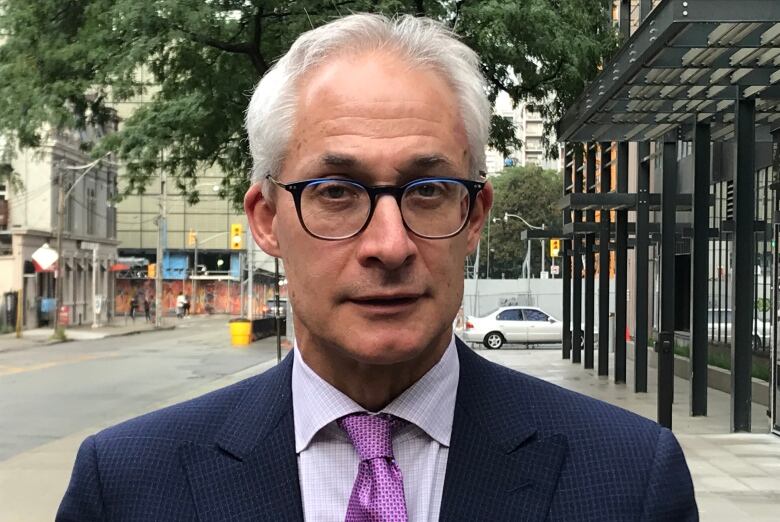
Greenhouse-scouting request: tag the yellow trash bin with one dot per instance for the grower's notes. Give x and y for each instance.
(240, 332)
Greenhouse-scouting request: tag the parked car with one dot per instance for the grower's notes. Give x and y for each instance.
(720, 320)
(513, 324)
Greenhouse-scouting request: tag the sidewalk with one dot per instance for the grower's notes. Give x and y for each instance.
(736, 476)
(119, 327)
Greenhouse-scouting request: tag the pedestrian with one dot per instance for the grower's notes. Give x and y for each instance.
(186, 306)
(180, 300)
(147, 309)
(133, 306)
(379, 412)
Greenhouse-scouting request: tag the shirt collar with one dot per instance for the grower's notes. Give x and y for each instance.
(429, 403)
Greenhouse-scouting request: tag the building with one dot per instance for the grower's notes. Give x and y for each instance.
(529, 127)
(29, 220)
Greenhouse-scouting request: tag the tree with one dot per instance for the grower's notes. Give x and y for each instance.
(65, 63)
(532, 193)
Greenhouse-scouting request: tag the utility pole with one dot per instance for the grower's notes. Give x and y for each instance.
(194, 279)
(162, 232)
(241, 284)
(61, 199)
(250, 250)
(60, 261)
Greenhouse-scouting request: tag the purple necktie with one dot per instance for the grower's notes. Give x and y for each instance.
(378, 493)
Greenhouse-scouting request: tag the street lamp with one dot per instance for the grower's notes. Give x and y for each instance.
(527, 262)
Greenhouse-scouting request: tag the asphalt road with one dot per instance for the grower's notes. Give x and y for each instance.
(50, 392)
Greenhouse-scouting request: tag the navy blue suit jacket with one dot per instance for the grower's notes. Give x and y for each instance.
(521, 449)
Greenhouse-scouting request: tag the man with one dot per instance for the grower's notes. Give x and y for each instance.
(368, 140)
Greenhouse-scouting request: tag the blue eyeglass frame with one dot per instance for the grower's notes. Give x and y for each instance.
(374, 191)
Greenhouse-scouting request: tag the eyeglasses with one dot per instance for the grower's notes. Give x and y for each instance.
(431, 208)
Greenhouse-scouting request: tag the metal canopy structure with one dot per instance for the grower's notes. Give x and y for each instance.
(698, 71)
(687, 63)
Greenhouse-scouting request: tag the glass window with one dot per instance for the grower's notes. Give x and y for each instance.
(513, 314)
(535, 315)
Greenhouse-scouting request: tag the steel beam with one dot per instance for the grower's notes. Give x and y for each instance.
(590, 259)
(665, 343)
(699, 269)
(576, 280)
(621, 266)
(642, 260)
(742, 262)
(604, 221)
(568, 163)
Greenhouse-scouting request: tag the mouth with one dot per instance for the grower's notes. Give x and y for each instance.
(387, 303)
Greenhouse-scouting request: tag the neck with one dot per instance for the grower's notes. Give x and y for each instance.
(372, 386)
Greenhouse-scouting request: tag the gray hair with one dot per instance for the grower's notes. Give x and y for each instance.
(422, 41)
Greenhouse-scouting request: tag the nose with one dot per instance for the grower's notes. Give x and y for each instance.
(386, 241)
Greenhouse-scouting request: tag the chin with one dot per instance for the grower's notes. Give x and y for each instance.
(389, 348)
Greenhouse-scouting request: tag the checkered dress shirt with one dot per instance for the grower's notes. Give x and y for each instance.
(328, 463)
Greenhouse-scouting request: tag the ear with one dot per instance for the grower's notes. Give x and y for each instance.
(260, 213)
(479, 214)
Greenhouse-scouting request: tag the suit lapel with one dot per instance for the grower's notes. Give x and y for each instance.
(498, 466)
(251, 473)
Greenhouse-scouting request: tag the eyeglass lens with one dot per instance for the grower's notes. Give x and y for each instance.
(335, 209)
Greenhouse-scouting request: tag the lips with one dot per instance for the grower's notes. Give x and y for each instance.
(386, 301)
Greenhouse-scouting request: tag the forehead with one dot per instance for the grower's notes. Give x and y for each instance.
(375, 110)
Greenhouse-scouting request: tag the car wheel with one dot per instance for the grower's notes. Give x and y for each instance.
(582, 340)
(758, 346)
(493, 341)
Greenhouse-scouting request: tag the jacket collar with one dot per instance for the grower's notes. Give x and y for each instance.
(497, 454)
(498, 466)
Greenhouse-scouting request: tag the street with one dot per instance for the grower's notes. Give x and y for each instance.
(52, 396)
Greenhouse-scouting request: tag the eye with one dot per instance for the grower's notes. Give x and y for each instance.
(427, 190)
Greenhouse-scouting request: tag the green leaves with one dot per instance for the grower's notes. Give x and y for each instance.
(180, 72)
(531, 193)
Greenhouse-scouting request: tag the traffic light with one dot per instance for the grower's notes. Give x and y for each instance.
(151, 270)
(555, 247)
(236, 236)
(192, 238)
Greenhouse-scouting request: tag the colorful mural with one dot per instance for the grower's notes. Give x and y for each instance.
(213, 297)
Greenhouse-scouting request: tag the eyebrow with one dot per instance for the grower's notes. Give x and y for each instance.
(421, 162)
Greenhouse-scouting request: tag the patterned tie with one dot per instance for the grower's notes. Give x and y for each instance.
(378, 493)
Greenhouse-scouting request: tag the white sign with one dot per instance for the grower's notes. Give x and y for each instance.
(87, 245)
(45, 256)
(555, 270)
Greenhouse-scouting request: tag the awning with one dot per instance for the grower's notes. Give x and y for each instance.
(118, 267)
(687, 62)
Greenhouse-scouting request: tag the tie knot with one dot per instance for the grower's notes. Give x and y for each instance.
(372, 435)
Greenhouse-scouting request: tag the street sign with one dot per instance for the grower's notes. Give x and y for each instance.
(45, 257)
(89, 245)
(555, 270)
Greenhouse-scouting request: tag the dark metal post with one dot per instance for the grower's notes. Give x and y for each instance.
(277, 319)
(699, 269)
(641, 250)
(665, 344)
(742, 292)
(568, 180)
(625, 19)
(590, 261)
(645, 6)
(604, 219)
(621, 266)
(576, 280)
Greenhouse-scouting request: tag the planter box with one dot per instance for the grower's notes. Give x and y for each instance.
(717, 378)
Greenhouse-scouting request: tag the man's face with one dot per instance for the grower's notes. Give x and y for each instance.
(384, 296)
